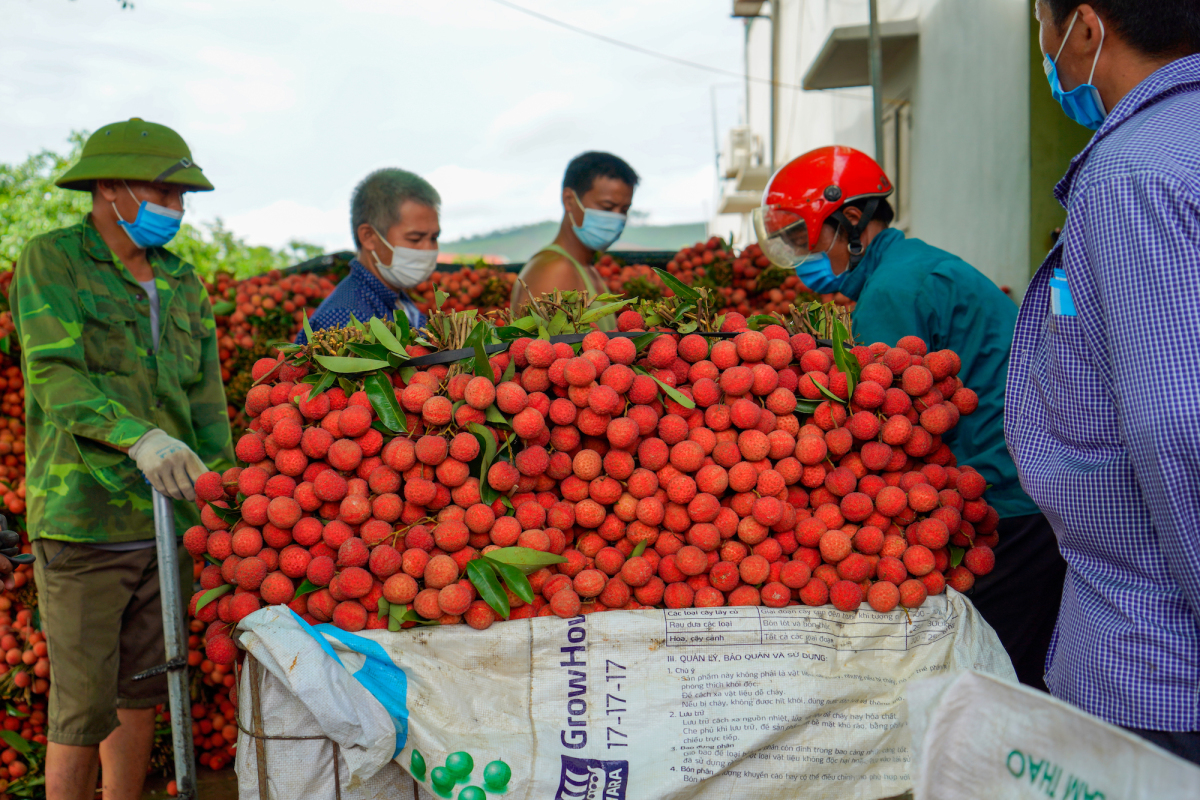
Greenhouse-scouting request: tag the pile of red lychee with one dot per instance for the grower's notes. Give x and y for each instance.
(681, 475)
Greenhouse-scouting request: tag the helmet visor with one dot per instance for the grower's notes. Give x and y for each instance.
(782, 235)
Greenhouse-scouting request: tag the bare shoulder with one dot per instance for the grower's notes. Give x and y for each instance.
(548, 270)
(544, 273)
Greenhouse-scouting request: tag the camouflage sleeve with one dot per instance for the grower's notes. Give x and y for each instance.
(210, 416)
(49, 323)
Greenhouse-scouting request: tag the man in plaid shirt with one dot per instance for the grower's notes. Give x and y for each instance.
(1103, 399)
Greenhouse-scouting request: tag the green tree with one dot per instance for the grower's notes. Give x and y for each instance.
(30, 204)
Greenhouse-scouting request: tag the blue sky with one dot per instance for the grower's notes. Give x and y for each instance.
(287, 105)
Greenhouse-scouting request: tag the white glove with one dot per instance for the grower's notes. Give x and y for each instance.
(169, 464)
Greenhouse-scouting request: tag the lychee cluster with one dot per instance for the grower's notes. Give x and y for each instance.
(697, 471)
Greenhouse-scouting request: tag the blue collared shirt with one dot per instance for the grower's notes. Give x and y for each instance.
(362, 294)
(1103, 410)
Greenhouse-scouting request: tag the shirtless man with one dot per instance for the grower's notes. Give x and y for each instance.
(597, 192)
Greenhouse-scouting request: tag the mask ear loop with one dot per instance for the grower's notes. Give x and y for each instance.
(1066, 36)
(131, 194)
(854, 232)
(387, 244)
(582, 208)
(1099, 47)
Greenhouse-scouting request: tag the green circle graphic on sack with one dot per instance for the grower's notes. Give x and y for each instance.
(496, 776)
(460, 764)
(418, 765)
(457, 769)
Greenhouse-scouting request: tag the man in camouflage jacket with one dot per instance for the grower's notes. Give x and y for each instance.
(124, 392)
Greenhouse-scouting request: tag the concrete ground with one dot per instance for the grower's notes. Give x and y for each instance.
(220, 785)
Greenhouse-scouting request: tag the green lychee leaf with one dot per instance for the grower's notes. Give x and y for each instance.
(514, 579)
(384, 605)
(404, 330)
(393, 624)
(483, 367)
(386, 338)
(603, 311)
(308, 331)
(806, 407)
(640, 343)
(829, 393)
(507, 333)
(524, 558)
(487, 445)
(483, 577)
(375, 351)
(321, 383)
(510, 370)
(639, 548)
(304, 588)
(671, 391)
(494, 415)
(14, 740)
(956, 555)
(229, 516)
(847, 362)
(348, 365)
(383, 399)
(401, 614)
(677, 286)
(213, 594)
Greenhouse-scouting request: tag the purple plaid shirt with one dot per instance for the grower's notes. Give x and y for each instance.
(1103, 410)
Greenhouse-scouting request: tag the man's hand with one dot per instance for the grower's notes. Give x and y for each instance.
(169, 464)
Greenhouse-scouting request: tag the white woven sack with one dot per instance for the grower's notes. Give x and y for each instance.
(752, 703)
(975, 736)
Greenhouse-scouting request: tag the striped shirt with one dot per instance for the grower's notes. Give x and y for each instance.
(1103, 410)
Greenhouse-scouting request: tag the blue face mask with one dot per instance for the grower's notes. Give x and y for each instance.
(154, 225)
(1083, 103)
(817, 273)
(600, 228)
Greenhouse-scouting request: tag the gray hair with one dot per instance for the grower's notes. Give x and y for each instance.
(377, 199)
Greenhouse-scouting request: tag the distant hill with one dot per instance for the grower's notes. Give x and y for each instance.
(519, 243)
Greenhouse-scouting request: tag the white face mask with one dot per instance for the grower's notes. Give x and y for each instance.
(409, 266)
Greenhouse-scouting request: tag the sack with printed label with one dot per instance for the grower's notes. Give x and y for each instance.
(975, 736)
(747, 702)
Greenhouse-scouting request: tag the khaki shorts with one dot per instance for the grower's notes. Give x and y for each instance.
(102, 617)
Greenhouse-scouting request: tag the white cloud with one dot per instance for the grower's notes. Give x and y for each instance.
(285, 220)
(681, 196)
(527, 112)
(288, 106)
(240, 85)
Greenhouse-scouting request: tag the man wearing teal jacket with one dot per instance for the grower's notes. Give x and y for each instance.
(826, 213)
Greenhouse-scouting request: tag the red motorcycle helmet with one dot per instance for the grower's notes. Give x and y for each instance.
(811, 189)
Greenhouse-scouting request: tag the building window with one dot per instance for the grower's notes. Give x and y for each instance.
(897, 158)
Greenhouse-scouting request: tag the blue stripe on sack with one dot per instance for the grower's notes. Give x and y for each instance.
(379, 675)
(1061, 302)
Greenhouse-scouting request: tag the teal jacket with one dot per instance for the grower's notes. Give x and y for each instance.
(905, 287)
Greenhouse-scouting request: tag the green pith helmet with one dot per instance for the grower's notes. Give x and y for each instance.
(138, 151)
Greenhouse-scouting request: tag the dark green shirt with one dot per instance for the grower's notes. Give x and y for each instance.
(905, 287)
(94, 375)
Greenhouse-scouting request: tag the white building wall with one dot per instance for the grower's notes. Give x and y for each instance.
(967, 85)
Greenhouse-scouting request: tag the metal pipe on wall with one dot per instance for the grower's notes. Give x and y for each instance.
(875, 65)
(775, 15)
